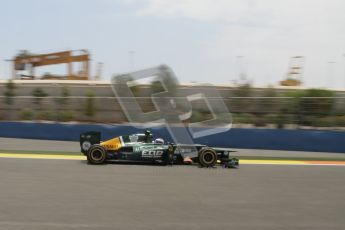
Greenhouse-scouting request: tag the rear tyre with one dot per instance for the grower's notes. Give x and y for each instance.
(207, 157)
(96, 155)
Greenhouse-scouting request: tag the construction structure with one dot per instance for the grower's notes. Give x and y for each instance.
(26, 61)
(295, 72)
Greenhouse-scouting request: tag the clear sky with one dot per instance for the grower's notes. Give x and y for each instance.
(200, 39)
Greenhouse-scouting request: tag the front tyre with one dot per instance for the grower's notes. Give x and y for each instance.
(96, 155)
(207, 157)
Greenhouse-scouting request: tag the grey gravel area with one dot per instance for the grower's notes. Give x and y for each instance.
(38, 145)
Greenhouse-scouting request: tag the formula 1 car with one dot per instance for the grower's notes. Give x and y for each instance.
(141, 148)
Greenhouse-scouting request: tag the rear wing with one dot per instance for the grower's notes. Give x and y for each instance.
(88, 139)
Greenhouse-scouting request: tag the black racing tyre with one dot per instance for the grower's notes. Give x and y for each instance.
(207, 157)
(96, 154)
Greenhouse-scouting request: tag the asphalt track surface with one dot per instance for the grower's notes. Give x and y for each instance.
(70, 194)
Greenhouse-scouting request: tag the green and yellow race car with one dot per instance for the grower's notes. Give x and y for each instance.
(142, 147)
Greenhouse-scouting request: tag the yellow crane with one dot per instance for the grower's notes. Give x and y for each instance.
(26, 61)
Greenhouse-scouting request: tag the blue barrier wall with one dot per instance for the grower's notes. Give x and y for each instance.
(298, 140)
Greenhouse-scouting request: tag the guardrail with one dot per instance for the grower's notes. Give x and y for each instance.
(274, 139)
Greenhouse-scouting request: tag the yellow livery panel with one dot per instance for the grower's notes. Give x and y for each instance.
(112, 144)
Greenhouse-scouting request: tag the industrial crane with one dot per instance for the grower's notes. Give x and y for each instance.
(26, 61)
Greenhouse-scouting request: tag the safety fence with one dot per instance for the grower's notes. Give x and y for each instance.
(273, 112)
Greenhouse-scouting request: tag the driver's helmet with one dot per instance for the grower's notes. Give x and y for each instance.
(159, 141)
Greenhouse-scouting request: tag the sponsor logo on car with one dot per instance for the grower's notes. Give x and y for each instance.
(152, 153)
